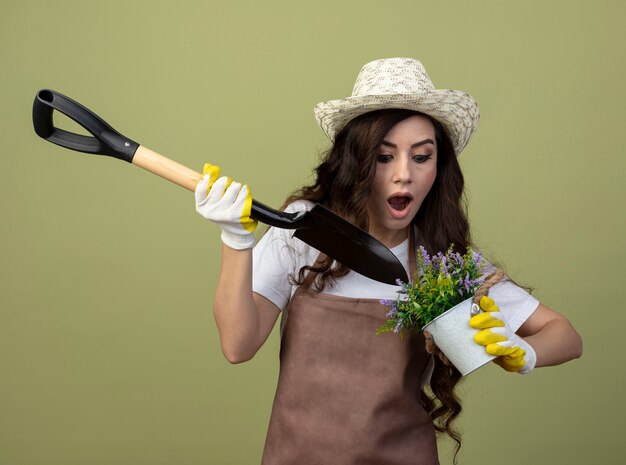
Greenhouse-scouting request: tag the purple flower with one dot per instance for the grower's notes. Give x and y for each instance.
(478, 258)
(457, 258)
(387, 302)
(442, 263)
(391, 313)
(425, 256)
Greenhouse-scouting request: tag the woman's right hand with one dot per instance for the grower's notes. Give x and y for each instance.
(227, 204)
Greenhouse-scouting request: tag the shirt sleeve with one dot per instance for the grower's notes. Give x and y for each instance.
(515, 303)
(275, 259)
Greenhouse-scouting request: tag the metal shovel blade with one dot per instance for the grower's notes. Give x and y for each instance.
(350, 246)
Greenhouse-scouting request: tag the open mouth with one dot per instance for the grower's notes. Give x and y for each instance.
(399, 202)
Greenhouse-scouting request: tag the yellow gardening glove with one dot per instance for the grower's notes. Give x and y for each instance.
(213, 172)
(511, 351)
(227, 204)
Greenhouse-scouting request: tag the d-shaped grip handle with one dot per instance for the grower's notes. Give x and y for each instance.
(105, 140)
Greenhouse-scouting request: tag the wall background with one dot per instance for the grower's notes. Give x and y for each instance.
(108, 351)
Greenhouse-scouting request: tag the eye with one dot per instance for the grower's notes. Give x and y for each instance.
(421, 158)
(384, 158)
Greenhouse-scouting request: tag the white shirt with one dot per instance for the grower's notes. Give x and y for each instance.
(278, 256)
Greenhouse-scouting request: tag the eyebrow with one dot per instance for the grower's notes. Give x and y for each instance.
(417, 144)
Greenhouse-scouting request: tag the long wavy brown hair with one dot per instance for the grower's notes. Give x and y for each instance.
(343, 183)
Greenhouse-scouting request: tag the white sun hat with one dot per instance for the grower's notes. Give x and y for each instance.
(402, 83)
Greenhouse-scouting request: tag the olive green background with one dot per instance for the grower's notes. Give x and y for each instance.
(108, 350)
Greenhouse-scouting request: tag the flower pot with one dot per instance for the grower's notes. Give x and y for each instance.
(455, 338)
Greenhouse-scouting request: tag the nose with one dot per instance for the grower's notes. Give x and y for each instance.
(402, 172)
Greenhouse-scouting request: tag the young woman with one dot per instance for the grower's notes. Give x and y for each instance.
(346, 395)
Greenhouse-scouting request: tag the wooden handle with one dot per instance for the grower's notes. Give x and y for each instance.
(188, 178)
(166, 168)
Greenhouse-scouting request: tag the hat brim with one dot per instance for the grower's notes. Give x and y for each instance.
(457, 111)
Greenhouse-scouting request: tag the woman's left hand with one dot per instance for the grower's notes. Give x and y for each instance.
(227, 204)
(511, 351)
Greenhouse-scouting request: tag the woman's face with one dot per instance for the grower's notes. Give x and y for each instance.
(405, 171)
